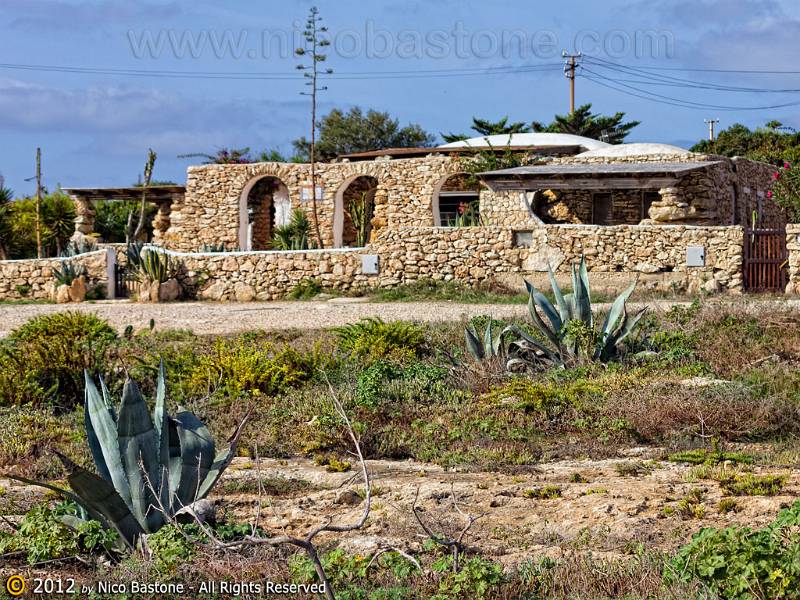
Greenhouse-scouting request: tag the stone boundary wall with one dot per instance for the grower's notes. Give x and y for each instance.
(615, 255)
(32, 279)
(479, 255)
(268, 275)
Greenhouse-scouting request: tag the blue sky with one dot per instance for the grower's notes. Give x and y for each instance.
(95, 128)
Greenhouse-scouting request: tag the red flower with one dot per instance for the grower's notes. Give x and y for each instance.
(462, 208)
(776, 175)
(769, 194)
(786, 165)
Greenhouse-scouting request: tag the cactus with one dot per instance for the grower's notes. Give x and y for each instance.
(570, 329)
(69, 272)
(148, 468)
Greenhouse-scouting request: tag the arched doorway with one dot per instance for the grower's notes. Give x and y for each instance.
(354, 209)
(263, 206)
(456, 201)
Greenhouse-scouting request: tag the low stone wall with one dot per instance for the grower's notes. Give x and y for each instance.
(657, 254)
(247, 276)
(33, 279)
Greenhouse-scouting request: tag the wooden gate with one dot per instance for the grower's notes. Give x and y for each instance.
(765, 260)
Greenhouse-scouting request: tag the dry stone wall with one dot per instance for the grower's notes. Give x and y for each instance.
(793, 246)
(33, 279)
(481, 255)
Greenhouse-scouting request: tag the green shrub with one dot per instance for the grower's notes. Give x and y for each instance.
(43, 361)
(373, 338)
(43, 534)
(171, 546)
(548, 399)
(237, 367)
(306, 289)
(476, 578)
(548, 492)
(383, 380)
(737, 562)
(748, 484)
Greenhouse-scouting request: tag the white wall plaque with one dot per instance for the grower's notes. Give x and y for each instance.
(695, 256)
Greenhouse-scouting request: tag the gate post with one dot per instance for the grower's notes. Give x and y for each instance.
(111, 273)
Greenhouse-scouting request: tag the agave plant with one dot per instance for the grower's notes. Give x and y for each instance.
(488, 345)
(154, 266)
(148, 469)
(68, 272)
(570, 328)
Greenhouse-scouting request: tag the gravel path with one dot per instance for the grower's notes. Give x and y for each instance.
(220, 318)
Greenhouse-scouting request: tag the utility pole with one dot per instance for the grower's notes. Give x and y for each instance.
(39, 252)
(570, 65)
(711, 123)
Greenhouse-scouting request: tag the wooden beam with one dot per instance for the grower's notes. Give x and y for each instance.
(605, 183)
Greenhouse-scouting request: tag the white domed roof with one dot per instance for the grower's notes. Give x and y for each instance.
(529, 139)
(636, 149)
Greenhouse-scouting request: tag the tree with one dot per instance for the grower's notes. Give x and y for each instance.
(608, 128)
(486, 127)
(773, 143)
(356, 131)
(315, 39)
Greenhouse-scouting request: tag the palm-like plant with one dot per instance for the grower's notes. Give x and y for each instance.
(569, 330)
(148, 468)
(6, 196)
(69, 272)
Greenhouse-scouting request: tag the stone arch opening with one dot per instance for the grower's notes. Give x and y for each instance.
(456, 201)
(263, 206)
(354, 209)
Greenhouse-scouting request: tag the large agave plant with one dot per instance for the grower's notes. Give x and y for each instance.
(569, 327)
(148, 468)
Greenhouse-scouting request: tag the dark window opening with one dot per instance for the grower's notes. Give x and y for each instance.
(602, 208)
(647, 201)
(454, 205)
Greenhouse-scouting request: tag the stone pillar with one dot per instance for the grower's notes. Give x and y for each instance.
(793, 246)
(670, 208)
(84, 217)
(161, 222)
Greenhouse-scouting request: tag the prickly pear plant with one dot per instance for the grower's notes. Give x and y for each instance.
(148, 468)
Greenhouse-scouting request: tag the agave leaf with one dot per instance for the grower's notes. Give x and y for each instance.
(99, 496)
(197, 456)
(65, 493)
(582, 299)
(629, 326)
(615, 314)
(162, 435)
(138, 447)
(107, 399)
(563, 307)
(473, 344)
(537, 320)
(101, 431)
(487, 337)
(174, 465)
(221, 462)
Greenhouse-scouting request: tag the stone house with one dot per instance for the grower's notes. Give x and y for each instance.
(675, 218)
(570, 180)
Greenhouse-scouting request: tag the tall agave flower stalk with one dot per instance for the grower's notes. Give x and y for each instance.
(569, 327)
(148, 468)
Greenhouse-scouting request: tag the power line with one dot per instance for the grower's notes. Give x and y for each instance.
(278, 76)
(649, 95)
(657, 79)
